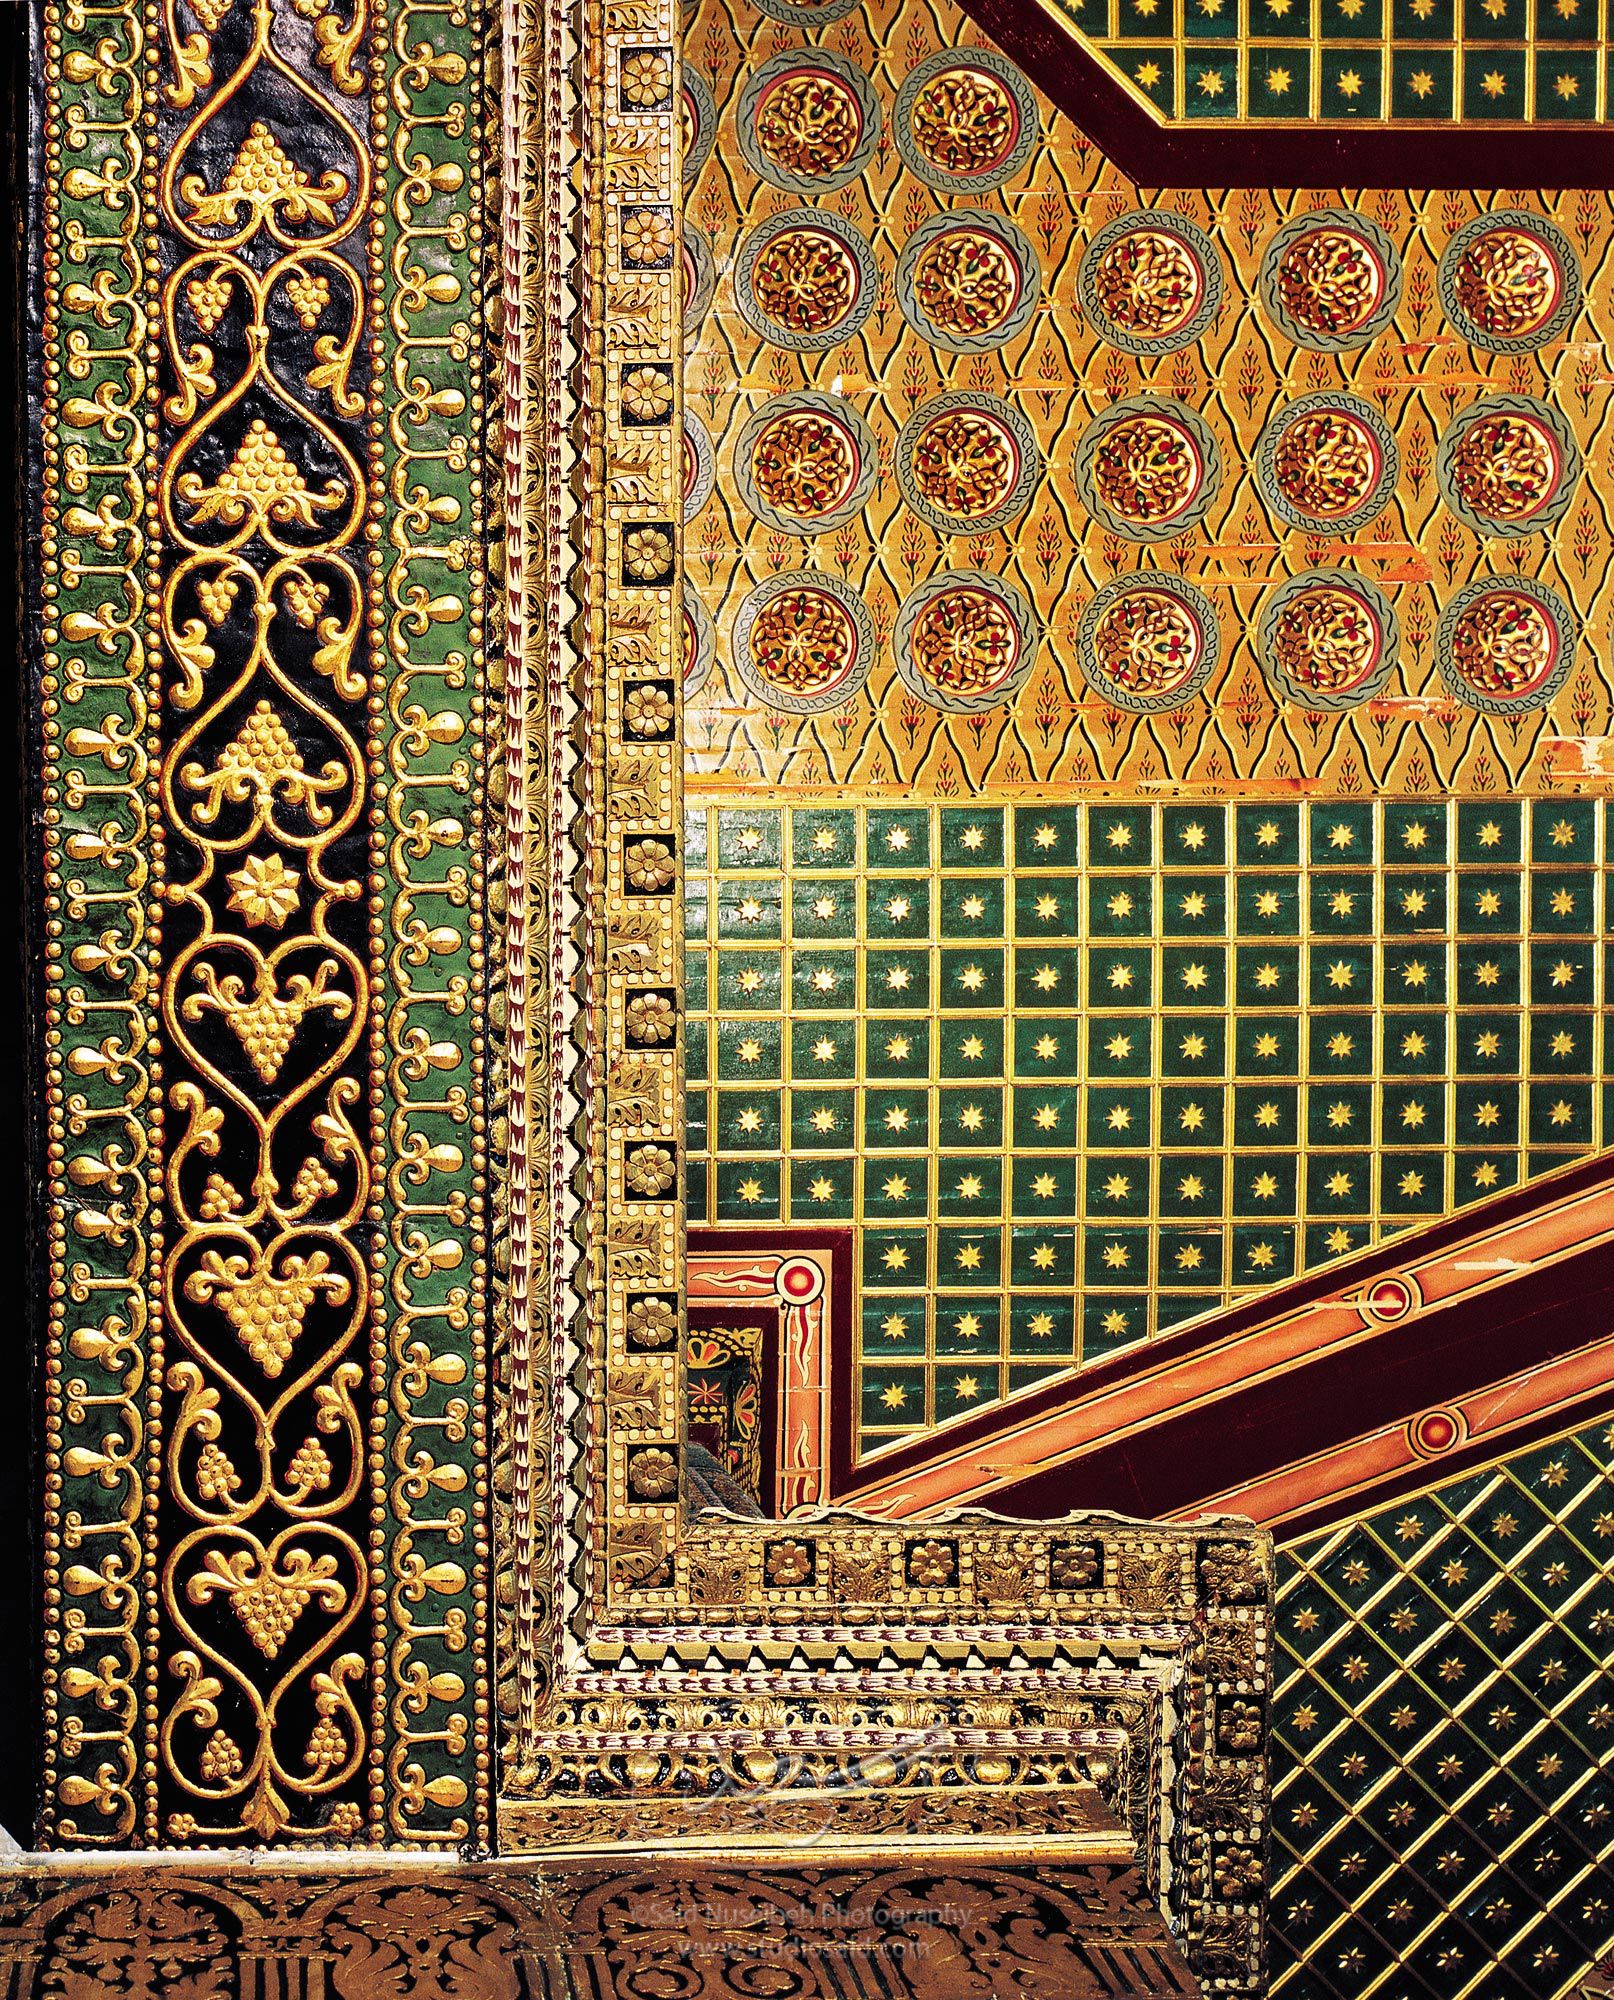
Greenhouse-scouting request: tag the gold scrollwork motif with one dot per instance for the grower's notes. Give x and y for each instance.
(264, 1632)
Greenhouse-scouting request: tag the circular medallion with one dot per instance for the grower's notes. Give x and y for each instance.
(1507, 466)
(965, 120)
(1505, 644)
(1327, 462)
(1147, 468)
(805, 463)
(967, 463)
(697, 123)
(803, 642)
(805, 13)
(1331, 280)
(1327, 639)
(805, 279)
(1510, 282)
(1150, 282)
(700, 644)
(697, 465)
(968, 281)
(1148, 642)
(808, 120)
(700, 278)
(965, 641)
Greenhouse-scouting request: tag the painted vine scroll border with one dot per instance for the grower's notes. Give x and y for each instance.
(128, 85)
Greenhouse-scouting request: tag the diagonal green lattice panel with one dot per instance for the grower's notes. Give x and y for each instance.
(1443, 1722)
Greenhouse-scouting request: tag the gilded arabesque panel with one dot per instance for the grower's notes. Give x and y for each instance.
(263, 584)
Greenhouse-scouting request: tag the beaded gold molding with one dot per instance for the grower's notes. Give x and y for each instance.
(651, 1664)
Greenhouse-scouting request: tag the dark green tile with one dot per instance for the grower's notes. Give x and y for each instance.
(823, 837)
(894, 1327)
(1116, 1187)
(1046, 906)
(972, 837)
(1046, 1048)
(1193, 836)
(1047, 977)
(971, 976)
(823, 1190)
(820, 981)
(970, 907)
(1047, 837)
(897, 907)
(747, 1190)
(1190, 1115)
(1114, 1258)
(969, 1326)
(749, 838)
(967, 1258)
(969, 1047)
(1043, 1185)
(1119, 1045)
(969, 1117)
(1352, 81)
(1193, 976)
(1193, 1045)
(968, 1187)
(747, 1121)
(1045, 1115)
(898, 978)
(1493, 84)
(1190, 1184)
(821, 907)
(897, 837)
(896, 1118)
(1266, 836)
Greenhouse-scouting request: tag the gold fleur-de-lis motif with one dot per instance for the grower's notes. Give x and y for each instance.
(267, 1024)
(260, 761)
(266, 1307)
(263, 178)
(260, 484)
(268, 1599)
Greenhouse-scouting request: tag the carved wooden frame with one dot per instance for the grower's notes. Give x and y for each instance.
(822, 1670)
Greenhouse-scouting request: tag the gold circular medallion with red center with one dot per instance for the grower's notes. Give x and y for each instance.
(808, 122)
(1505, 644)
(804, 463)
(1150, 647)
(1327, 639)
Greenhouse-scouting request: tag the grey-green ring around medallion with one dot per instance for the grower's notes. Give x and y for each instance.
(864, 447)
(1013, 239)
(1564, 623)
(1178, 414)
(1266, 454)
(1384, 253)
(762, 80)
(697, 442)
(701, 274)
(703, 117)
(1552, 510)
(1028, 129)
(1379, 609)
(756, 600)
(700, 644)
(1025, 482)
(828, 223)
(1028, 632)
(1552, 238)
(1198, 246)
(804, 13)
(1194, 602)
